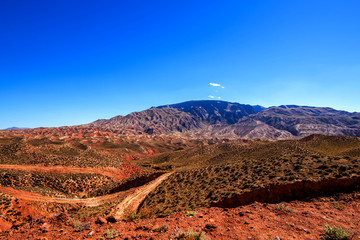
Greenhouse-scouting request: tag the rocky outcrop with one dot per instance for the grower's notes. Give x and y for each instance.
(302, 190)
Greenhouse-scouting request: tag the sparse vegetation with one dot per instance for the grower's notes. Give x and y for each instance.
(52, 184)
(162, 229)
(283, 207)
(338, 206)
(133, 215)
(143, 213)
(204, 175)
(110, 234)
(76, 223)
(189, 235)
(336, 233)
(190, 213)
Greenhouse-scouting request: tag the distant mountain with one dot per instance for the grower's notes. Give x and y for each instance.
(211, 118)
(14, 128)
(215, 112)
(303, 120)
(250, 129)
(152, 121)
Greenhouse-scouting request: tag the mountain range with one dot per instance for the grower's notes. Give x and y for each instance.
(15, 128)
(211, 118)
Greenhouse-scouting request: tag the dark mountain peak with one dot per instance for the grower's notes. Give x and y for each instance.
(259, 108)
(213, 111)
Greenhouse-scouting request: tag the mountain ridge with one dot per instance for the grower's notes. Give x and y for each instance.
(215, 118)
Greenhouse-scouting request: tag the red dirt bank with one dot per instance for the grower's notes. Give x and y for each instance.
(298, 220)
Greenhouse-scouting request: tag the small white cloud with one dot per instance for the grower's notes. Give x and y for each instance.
(216, 85)
(213, 97)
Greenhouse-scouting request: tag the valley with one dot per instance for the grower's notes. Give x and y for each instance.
(116, 181)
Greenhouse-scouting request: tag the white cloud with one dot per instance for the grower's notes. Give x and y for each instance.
(210, 96)
(216, 85)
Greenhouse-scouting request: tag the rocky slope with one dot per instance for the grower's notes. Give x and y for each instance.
(303, 120)
(233, 120)
(250, 129)
(214, 112)
(152, 121)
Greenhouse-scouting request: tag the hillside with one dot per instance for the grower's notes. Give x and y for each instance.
(173, 162)
(209, 185)
(303, 121)
(214, 112)
(152, 121)
(220, 119)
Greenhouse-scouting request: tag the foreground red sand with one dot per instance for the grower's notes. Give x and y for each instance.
(294, 220)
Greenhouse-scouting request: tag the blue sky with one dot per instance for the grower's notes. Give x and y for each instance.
(68, 62)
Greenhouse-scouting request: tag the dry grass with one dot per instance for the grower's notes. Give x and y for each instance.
(51, 184)
(235, 169)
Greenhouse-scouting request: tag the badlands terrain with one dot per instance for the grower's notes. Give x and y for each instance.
(194, 170)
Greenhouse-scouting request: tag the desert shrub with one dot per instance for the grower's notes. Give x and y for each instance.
(189, 235)
(143, 213)
(338, 206)
(336, 233)
(133, 215)
(83, 226)
(162, 229)
(283, 207)
(190, 213)
(110, 233)
(76, 224)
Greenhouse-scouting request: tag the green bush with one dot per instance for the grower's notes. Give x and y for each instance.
(336, 233)
(190, 213)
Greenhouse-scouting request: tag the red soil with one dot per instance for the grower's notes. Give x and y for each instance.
(255, 221)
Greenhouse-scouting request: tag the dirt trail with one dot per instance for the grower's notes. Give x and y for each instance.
(114, 173)
(132, 201)
(131, 196)
(89, 202)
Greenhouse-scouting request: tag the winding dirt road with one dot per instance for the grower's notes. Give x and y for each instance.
(89, 202)
(132, 201)
(131, 198)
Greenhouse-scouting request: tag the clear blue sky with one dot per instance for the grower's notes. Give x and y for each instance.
(66, 62)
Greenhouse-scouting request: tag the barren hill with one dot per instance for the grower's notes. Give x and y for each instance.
(210, 118)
